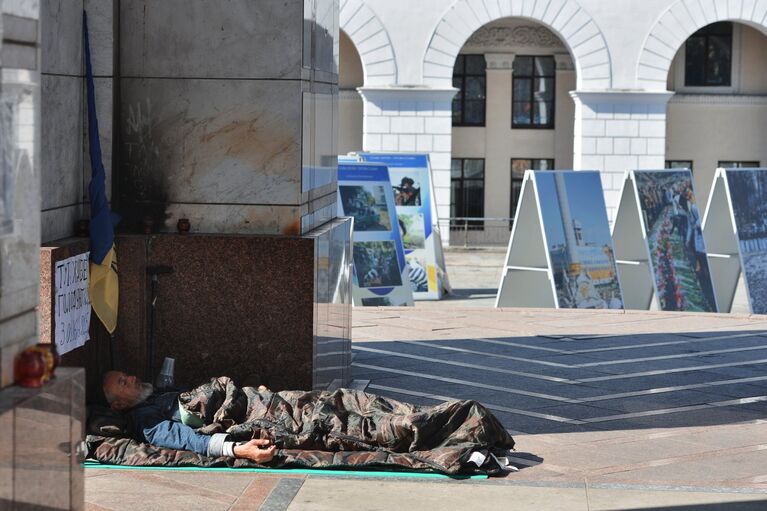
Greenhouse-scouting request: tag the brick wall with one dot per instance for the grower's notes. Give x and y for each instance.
(616, 132)
(413, 120)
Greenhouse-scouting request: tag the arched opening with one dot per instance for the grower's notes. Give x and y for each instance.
(718, 114)
(350, 106)
(513, 112)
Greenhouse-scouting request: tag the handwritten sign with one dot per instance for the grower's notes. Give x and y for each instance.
(72, 307)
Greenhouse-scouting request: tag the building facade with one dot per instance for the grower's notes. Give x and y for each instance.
(490, 88)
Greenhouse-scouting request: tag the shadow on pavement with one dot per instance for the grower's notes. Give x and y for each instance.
(576, 383)
(754, 505)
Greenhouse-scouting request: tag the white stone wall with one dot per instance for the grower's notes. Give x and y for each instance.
(616, 132)
(623, 49)
(413, 120)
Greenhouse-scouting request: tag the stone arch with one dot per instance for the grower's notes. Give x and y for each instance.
(371, 39)
(680, 21)
(566, 18)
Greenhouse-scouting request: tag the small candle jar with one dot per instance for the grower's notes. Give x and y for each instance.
(183, 225)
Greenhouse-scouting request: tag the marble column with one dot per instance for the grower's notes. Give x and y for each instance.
(413, 119)
(616, 131)
(19, 180)
(228, 115)
(64, 162)
(39, 468)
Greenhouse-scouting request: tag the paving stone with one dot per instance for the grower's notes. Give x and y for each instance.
(322, 495)
(577, 411)
(646, 366)
(604, 500)
(654, 381)
(255, 493)
(709, 416)
(658, 401)
(457, 391)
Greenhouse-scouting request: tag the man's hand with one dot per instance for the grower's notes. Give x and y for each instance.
(259, 450)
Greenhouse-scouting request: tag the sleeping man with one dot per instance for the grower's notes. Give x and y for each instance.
(226, 424)
(156, 418)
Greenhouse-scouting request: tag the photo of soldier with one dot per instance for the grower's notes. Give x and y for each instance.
(407, 193)
(375, 264)
(673, 223)
(367, 204)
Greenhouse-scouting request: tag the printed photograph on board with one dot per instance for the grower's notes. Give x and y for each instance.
(407, 187)
(375, 263)
(411, 229)
(578, 240)
(748, 193)
(673, 222)
(367, 204)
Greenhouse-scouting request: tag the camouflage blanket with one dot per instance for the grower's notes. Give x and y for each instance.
(319, 429)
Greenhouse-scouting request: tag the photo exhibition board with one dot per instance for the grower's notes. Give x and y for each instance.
(560, 252)
(659, 243)
(735, 227)
(380, 275)
(411, 185)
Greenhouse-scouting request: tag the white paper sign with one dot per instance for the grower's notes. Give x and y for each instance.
(72, 306)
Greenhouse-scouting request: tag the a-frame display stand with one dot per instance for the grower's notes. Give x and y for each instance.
(720, 233)
(527, 265)
(631, 253)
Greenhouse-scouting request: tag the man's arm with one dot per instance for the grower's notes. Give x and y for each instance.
(162, 432)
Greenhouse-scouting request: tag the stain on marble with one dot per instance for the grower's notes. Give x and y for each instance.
(232, 219)
(212, 141)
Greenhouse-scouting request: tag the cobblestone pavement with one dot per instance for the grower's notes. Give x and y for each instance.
(611, 410)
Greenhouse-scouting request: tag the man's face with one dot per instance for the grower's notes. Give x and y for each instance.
(127, 391)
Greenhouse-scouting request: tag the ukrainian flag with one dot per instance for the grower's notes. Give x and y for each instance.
(102, 287)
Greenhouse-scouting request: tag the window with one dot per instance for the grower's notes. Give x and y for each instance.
(469, 78)
(533, 86)
(738, 164)
(679, 164)
(708, 56)
(518, 168)
(467, 179)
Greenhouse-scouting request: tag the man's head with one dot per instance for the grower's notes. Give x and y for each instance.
(123, 391)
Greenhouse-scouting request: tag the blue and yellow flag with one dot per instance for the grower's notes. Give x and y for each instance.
(102, 287)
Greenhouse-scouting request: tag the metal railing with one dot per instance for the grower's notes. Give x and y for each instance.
(476, 232)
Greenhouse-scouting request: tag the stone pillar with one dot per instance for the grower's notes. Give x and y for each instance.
(616, 131)
(564, 111)
(410, 119)
(39, 467)
(228, 115)
(65, 166)
(497, 119)
(19, 180)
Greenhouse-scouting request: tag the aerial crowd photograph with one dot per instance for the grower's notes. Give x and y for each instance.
(367, 255)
